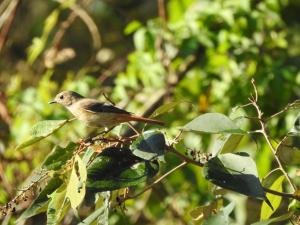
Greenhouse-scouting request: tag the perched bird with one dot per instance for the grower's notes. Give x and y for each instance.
(96, 114)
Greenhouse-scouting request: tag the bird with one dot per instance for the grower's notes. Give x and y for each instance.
(95, 113)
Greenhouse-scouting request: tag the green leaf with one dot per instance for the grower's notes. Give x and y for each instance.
(236, 172)
(76, 186)
(42, 130)
(116, 168)
(40, 203)
(213, 123)
(132, 27)
(57, 207)
(274, 220)
(266, 212)
(226, 143)
(59, 156)
(149, 145)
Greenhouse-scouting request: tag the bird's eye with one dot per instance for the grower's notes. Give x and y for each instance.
(61, 97)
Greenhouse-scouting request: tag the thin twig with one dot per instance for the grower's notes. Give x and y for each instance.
(263, 131)
(293, 105)
(85, 17)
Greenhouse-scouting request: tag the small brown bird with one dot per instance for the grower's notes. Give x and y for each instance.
(96, 114)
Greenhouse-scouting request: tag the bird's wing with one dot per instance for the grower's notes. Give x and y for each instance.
(95, 106)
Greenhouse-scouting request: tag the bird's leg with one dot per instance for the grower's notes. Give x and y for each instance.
(132, 127)
(105, 131)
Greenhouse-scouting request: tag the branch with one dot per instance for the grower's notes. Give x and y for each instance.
(263, 131)
(293, 105)
(7, 25)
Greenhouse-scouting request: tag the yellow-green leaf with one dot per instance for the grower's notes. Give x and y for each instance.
(266, 212)
(76, 187)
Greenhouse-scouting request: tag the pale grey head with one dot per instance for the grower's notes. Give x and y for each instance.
(66, 98)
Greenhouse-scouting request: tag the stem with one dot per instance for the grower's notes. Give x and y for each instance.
(183, 157)
(285, 195)
(159, 180)
(150, 185)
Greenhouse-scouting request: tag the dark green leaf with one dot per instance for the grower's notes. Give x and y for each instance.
(149, 145)
(59, 156)
(117, 168)
(213, 123)
(236, 172)
(42, 130)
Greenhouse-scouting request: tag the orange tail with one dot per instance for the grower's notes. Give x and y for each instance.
(141, 119)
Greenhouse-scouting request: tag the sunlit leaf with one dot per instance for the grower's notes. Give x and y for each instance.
(213, 123)
(266, 212)
(226, 143)
(132, 27)
(42, 130)
(76, 186)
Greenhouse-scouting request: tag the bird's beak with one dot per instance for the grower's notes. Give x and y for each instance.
(52, 102)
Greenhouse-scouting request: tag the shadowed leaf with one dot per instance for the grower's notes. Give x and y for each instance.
(149, 145)
(116, 168)
(236, 172)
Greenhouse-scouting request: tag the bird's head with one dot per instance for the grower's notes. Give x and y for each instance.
(66, 98)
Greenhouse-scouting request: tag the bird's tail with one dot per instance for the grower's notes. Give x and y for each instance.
(141, 119)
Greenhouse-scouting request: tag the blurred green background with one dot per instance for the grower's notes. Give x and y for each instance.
(201, 54)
